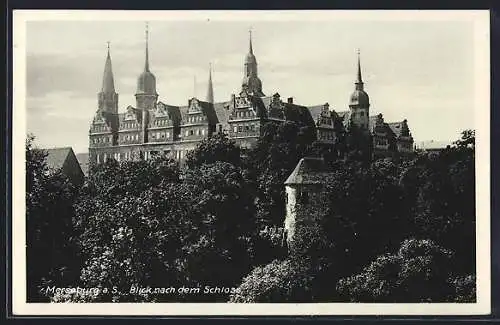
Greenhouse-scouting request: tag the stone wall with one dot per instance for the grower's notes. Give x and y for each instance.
(302, 211)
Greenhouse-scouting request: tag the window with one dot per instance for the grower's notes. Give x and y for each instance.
(191, 132)
(187, 132)
(247, 127)
(252, 127)
(303, 197)
(235, 129)
(362, 113)
(168, 134)
(203, 132)
(98, 160)
(240, 128)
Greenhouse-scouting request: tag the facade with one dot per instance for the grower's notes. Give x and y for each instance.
(64, 160)
(153, 127)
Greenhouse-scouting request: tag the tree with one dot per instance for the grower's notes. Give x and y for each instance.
(224, 252)
(136, 243)
(50, 252)
(130, 219)
(278, 281)
(275, 156)
(420, 271)
(445, 209)
(217, 147)
(160, 232)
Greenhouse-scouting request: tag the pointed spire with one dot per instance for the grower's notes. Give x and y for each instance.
(250, 50)
(359, 79)
(210, 90)
(146, 64)
(108, 83)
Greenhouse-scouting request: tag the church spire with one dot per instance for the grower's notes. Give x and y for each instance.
(210, 90)
(359, 79)
(250, 49)
(146, 64)
(251, 83)
(108, 83)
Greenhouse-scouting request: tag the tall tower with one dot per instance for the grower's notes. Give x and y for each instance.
(107, 98)
(210, 90)
(251, 82)
(359, 102)
(146, 95)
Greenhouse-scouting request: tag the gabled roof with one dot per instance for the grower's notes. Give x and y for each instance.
(266, 100)
(222, 112)
(297, 113)
(174, 112)
(308, 171)
(261, 105)
(315, 111)
(396, 128)
(83, 160)
(343, 114)
(56, 157)
(206, 107)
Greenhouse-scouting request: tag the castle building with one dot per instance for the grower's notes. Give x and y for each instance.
(154, 127)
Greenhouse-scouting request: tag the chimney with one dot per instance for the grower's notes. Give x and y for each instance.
(290, 100)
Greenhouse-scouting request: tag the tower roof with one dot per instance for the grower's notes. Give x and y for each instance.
(359, 80)
(108, 83)
(250, 40)
(146, 83)
(251, 83)
(359, 97)
(309, 171)
(210, 90)
(250, 58)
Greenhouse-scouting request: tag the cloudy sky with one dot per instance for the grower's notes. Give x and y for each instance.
(419, 70)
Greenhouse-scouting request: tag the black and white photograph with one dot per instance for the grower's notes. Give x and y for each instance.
(237, 162)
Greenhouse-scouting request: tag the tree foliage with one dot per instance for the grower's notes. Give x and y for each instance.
(217, 147)
(278, 281)
(140, 226)
(50, 252)
(219, 223)
(420, 271)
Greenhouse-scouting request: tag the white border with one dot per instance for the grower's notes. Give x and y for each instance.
(482, 120)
